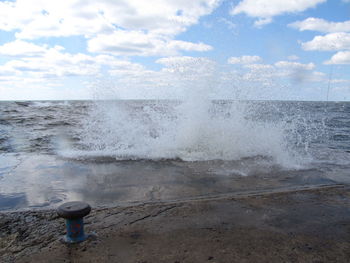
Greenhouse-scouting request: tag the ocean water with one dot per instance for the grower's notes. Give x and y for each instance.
(122, 151)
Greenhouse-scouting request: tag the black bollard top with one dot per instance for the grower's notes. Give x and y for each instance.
(73, 210)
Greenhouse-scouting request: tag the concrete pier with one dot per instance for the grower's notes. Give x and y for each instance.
(296, 225)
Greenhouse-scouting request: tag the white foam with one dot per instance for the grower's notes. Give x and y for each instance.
(158, 131)
(194, 130)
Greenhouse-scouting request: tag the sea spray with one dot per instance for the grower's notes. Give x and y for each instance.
(190, 125)
(237, 147)
(162, 130)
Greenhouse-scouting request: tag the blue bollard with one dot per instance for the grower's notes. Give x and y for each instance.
(74, 212)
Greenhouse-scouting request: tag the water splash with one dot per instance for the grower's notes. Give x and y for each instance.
(192, 128)
(226, 130)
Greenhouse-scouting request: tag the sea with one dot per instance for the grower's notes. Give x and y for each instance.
(121, 152)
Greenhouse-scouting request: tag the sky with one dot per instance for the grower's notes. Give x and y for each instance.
(156, 49)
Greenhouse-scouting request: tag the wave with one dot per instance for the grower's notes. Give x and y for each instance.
(184, 131)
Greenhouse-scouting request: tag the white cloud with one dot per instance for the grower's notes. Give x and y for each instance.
(122, 28)
(132, 80)
(293, 57)
(282, 70)
(55, 64)
(298, 72)
(266, 9)
(294, 65)
(6, 73)
(332, 41)
(125, 27)
(120, 68)
(23, 48)
(183, 60)
(337, 39)
(321, 25)
(138, 43)
(187, 64)
(314, 76)
(244, 60)
(37, 62)
(179, 72)
(46, 75)
(117, 64)
(262, 21)
(259, 67)
(188, 46)
(342, 57)
(40, 18)
(175, 79)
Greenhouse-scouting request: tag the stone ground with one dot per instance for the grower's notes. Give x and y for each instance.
(306, 225)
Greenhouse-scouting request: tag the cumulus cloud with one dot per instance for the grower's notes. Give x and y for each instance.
(329, 42)
(337, 39)
(244, 60)
(125, 27)
(264, 10)
(175, 78)
(183, 60)
(55, 64)
(110, 28)
(254, 79)
(115, 29)
(293, 57)
(295, 71)
(294, 65)
(139, 43)
(132, 80)
(45, 18)
(262, 21)
(259, 67)
(40, 61)
(6, 73)
(189, 65)
(45, 75)
(299, 72)
(23, 48)
(342, 57)
(321, 25)
(265, 74)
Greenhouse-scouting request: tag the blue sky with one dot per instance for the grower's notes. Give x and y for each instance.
(241, 49)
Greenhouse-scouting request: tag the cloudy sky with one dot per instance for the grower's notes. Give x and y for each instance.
(239, 49)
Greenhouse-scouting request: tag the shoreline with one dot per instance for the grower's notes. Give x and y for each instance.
(300, 225)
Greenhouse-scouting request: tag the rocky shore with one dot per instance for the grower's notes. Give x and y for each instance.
(303, 225)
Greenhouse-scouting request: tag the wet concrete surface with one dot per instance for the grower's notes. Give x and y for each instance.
(299, 225)
(45, 181)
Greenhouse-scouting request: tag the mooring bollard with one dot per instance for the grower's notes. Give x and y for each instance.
(74, 212)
